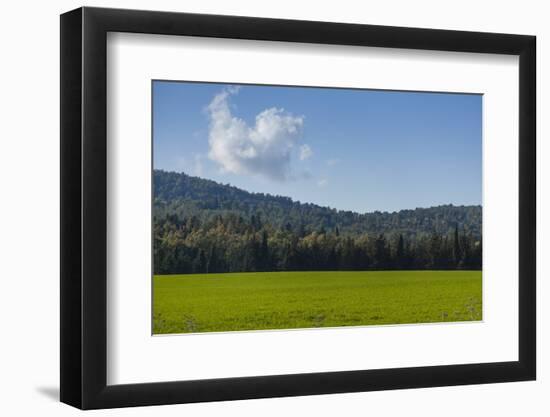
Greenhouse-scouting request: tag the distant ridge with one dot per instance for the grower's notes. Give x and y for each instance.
(185, 196)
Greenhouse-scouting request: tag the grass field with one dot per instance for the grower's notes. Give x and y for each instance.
(288, 300)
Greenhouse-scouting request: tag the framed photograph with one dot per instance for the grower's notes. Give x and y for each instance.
(259, 208)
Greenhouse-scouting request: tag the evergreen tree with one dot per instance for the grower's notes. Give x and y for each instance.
(457, 256)
(380, 254)
(400, 252)
(199, 264)
(264, 252)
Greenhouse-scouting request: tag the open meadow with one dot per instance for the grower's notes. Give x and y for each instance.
(195, 303)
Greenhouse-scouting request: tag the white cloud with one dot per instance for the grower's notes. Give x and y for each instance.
(262, 149)
(332, 162)
(322, 183)
(305, 152)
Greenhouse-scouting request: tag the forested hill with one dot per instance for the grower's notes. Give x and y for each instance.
(182, 196)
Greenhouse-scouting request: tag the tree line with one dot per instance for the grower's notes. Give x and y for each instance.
(201, 226)
(232, 243)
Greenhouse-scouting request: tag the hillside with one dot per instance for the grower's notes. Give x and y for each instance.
(201, 226)
(186, 196)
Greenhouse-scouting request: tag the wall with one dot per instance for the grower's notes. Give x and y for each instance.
(29, 176)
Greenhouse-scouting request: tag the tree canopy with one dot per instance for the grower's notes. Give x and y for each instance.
(201, 226)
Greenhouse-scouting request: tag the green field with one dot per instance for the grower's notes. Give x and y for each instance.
(288, 300)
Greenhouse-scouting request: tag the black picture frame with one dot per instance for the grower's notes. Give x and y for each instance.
(84, 207)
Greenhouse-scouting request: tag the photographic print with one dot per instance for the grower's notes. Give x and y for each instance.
(288, 207)
(393, 200)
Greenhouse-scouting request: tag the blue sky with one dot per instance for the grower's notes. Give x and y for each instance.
(360, 150)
